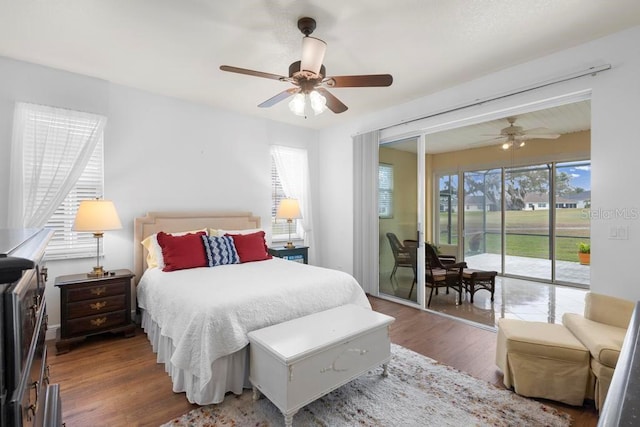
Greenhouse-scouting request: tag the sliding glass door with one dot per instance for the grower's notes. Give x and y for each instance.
(399, 212)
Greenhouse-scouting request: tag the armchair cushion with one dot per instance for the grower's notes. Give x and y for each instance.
(607, 309)
(603, 341)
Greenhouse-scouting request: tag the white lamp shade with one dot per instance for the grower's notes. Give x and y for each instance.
(313, 50)
(288, 209)
(97, 216)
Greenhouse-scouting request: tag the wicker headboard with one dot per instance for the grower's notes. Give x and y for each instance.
(154, 222)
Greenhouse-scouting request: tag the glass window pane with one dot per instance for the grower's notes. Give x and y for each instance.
(527, 221)
(448, 210)
(573, 201)
(482, 219)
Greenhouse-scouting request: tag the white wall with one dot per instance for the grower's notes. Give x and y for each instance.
(614, 147)
(160, 154)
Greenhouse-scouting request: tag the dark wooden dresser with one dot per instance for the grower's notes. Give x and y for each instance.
(93, 305)
(26, 397)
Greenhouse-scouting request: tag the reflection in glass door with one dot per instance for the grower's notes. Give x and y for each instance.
(398, 198)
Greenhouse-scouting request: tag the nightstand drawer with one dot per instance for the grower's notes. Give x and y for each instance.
(96, 323)
(98, 290)
(95, 306)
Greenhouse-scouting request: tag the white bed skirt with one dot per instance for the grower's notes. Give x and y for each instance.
(230, 373)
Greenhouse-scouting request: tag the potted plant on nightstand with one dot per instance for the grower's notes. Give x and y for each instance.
(584, 253)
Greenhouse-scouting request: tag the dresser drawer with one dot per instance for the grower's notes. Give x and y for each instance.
(95, 306)
(88, 325)
(97, 290)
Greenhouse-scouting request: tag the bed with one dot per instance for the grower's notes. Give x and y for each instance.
(197, 319)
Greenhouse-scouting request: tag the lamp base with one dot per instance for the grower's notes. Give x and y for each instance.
(97, 272)
(290, 245)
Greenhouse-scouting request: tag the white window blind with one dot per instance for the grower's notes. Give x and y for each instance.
(65, 242)
(52, 139)
(385, 191)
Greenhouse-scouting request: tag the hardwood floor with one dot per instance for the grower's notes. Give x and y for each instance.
(115, 381)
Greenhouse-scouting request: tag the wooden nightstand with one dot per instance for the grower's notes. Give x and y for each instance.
(93, 305)
(299, 253)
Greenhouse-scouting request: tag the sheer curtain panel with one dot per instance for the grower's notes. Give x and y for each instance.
(49, 151)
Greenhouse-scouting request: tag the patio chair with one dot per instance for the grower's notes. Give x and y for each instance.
(439, 275)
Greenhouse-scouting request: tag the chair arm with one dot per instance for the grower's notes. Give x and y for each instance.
(608, 310)
(456, 266)
(447, 259)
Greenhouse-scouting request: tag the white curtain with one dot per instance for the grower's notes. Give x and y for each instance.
(49, 151)
(365, 211)
(293, 170)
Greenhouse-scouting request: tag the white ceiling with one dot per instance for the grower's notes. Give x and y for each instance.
(175, 47)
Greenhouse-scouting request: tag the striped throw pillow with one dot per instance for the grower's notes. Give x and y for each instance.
(220, 250)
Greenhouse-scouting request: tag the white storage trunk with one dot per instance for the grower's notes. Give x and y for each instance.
(296, 362)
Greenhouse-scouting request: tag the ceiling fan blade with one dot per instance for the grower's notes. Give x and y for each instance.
(252, 72)
(313, 51)
(541, 133)
(539, 136)
(369, 80)
(279, 97)
(333, 103)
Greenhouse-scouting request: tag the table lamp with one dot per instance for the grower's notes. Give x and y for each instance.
(289, 209)
(97, 216)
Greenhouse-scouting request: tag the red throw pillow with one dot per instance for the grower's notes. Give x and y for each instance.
(250, 247)
(182, 252)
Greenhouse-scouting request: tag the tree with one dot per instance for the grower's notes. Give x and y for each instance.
(518, 183)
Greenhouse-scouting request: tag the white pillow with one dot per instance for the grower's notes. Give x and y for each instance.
(247, 231)
(154, 251)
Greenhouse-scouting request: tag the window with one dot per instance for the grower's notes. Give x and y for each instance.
(59, 162)
(385, 191)
(289, 179)
(65, 242)
(279, 228)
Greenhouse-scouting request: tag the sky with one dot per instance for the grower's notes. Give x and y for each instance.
(580, 175)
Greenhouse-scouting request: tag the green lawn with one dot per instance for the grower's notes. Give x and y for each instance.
(527, 232)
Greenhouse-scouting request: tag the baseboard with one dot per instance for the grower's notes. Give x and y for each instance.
(52, 332)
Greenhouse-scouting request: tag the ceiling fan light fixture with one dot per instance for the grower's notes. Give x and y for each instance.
(297, 104)
(303, 104)
(313, 51)
(506, 145)
(318, 102)
(522, 144)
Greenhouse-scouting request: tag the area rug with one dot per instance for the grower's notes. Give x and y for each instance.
(418, 392)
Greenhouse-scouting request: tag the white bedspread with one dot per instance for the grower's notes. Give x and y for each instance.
(207, 312)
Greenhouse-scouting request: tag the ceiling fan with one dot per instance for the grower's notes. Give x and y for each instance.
(515, 136)
(309, 79)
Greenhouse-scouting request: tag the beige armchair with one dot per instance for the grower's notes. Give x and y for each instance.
(601, 330)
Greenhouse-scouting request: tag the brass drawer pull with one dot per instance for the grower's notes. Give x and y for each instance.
(99, 291)
(98, 305)
(99, 321)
